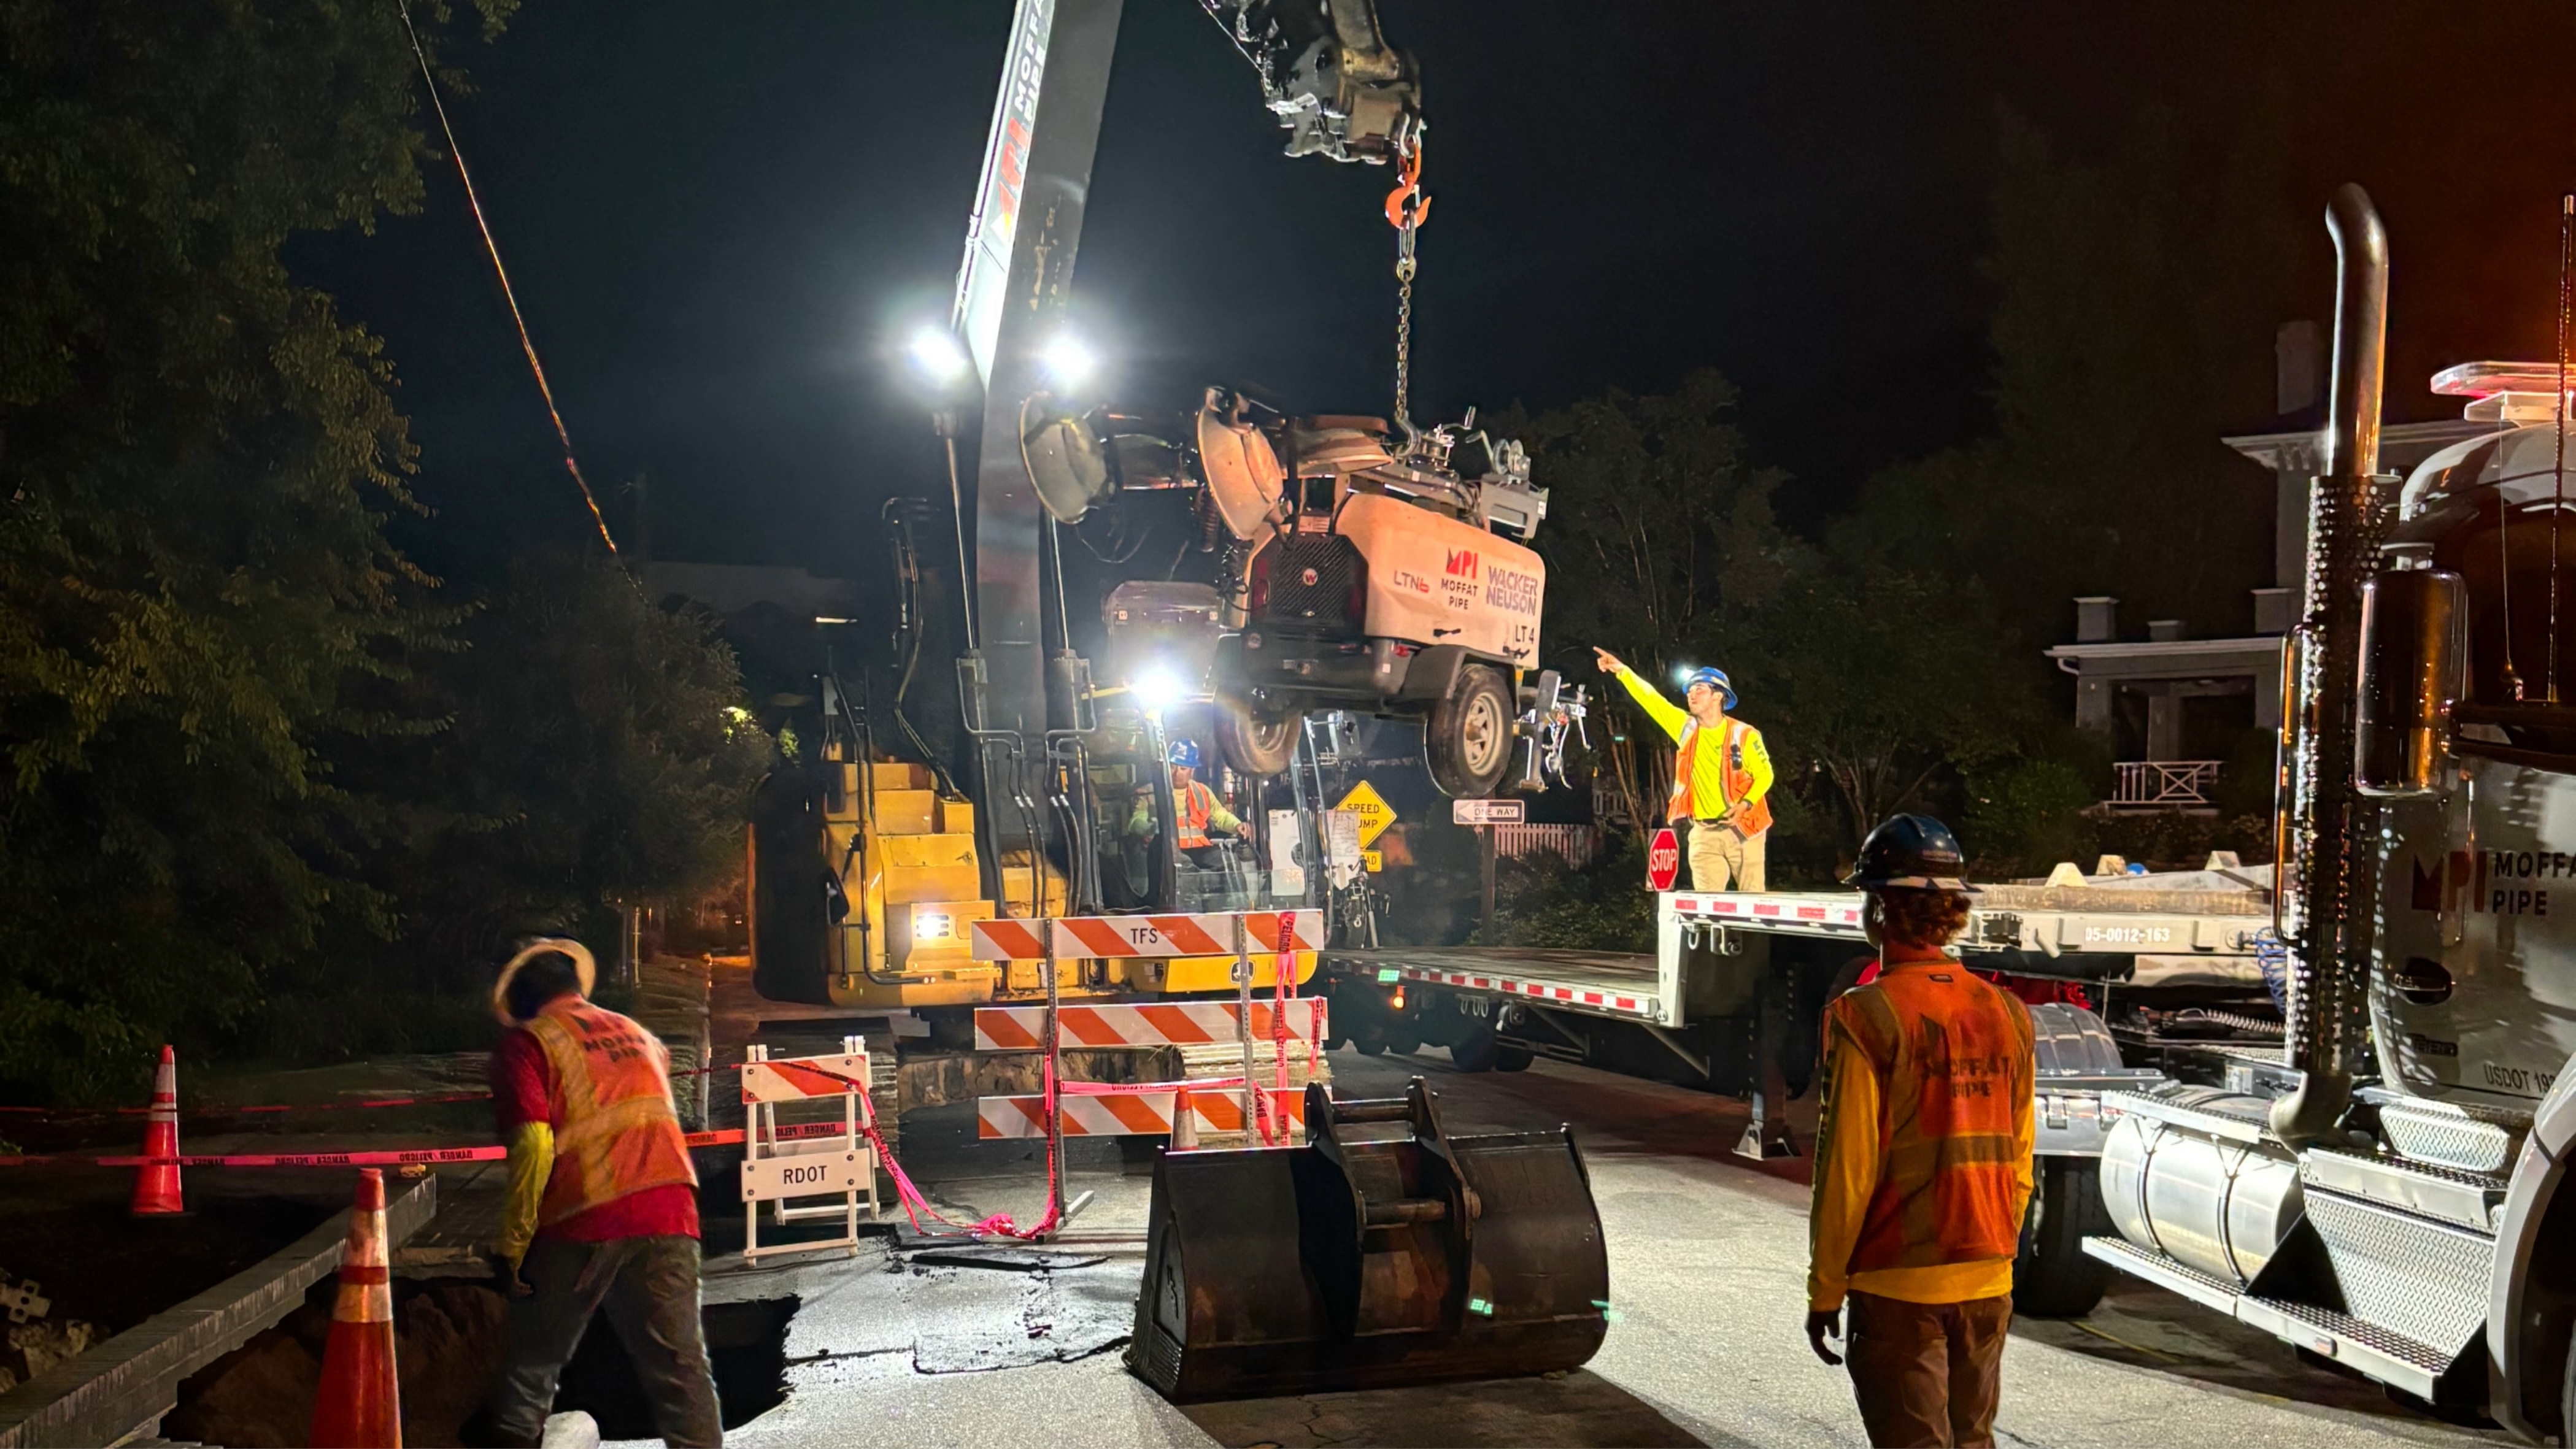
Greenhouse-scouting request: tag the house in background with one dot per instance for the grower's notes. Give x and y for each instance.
(2174, 706)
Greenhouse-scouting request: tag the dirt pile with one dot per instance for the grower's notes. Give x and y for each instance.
(448, 1338)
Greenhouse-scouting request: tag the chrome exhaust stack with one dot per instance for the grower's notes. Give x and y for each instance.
(2330, 945)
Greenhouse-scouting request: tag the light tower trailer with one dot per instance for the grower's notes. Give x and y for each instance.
(2392, 1196)
(1731, 1002)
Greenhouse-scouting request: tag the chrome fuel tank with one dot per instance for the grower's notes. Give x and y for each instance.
(2216, 1204)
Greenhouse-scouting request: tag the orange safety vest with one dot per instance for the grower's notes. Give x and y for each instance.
(1198, 806)
(1735, 778)
(1954, 1053)
(616, 1131)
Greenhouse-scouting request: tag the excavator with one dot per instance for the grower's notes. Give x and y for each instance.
(1363, 564)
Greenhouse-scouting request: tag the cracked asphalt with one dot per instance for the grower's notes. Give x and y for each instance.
(1707, 1258)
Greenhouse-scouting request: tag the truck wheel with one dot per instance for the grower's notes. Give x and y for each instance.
(1404, 1044)
(2052, 1275)
(1512, 1058)
(1257, 742)
(1475, 1051)
(1467, 741)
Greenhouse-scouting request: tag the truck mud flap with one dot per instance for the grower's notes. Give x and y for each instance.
(1383, 1252)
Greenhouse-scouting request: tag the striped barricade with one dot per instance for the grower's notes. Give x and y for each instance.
(1103, 937)
(805, 1175)
(1129, 1113)
(800, 1079)
(1147, 1024)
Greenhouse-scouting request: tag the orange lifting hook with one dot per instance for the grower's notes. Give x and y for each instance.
(1398, 215)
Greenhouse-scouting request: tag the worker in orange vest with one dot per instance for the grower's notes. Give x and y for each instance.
(1197, 806)
(1923, 1157)
(603, 1204)
(1721, 775)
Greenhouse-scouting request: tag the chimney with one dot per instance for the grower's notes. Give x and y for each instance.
(2164, 631)
(2097, 619)
(2298, 367)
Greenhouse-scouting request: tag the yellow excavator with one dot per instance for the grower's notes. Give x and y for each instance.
(1365, 566)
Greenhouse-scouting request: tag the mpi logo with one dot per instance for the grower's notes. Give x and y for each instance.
(1462, 563)
(2489, 882)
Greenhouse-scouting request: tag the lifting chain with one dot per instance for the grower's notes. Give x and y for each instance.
(1406, 206)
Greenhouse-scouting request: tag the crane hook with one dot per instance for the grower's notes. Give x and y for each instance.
(1408, 205)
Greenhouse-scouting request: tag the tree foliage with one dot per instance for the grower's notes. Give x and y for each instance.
(599, 751)
(209, 647)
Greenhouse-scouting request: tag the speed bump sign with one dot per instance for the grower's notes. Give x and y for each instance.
(1374, 813)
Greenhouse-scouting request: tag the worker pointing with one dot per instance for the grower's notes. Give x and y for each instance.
(603, 1204)
(1923, 1157)
(1721, 775)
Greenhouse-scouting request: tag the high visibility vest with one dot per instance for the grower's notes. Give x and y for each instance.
(1954, 1055)
(1735, 779)
(616, 1132)
(1197, 807)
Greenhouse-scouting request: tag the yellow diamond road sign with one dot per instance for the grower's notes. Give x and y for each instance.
(1372, 809)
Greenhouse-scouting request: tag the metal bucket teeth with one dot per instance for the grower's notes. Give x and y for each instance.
(1369, 1258)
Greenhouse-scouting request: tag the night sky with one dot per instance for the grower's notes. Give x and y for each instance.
(723, 220)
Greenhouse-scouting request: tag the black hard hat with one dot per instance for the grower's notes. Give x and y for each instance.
(1913, 852)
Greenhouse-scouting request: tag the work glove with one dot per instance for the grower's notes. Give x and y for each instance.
(1822, 1324)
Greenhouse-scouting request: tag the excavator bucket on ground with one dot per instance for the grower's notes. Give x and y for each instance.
(1383, 1252)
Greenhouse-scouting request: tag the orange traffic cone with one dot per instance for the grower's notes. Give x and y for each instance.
(156, 1183)
(360, 1406)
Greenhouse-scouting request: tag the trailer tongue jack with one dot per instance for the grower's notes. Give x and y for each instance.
(1365, 1260)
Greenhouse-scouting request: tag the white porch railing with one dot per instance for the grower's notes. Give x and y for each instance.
(1579, 844)
(2164, 784)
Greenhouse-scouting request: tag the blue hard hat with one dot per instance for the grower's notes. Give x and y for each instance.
(1715, 679)
(1185, 754)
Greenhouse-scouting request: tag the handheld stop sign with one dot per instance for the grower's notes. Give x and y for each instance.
(1663, 860)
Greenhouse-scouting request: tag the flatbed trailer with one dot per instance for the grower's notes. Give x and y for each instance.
(1731, 1001)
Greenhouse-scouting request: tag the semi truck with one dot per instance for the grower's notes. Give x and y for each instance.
(2390, 1194)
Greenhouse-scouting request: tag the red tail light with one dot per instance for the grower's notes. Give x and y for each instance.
(1258, 596)
(1355, 608)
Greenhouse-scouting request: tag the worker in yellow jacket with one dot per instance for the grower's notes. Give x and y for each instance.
(1923, 1157)
(1721, 775)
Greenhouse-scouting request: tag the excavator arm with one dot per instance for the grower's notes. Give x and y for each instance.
(1329, 76)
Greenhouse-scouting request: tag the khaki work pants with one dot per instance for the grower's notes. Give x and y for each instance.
(1928, 1373)
(1721, 860)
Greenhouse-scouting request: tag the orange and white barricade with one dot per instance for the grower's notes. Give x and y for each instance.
(1122, 937)
(806, 1178)
(1213, 1106)
(1147, 1024)
(1090, 1110)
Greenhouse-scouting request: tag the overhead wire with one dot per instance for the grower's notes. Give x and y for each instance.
(492, 248)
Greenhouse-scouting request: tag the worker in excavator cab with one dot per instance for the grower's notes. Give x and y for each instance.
(1721, 775)
(602, 1211)
(1923, 1157)
(1197, 807)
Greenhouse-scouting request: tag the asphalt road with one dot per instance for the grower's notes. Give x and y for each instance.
(1707, 1258)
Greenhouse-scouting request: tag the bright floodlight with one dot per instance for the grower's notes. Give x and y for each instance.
(1068, 361)
(936, 353)
(1158, 689)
